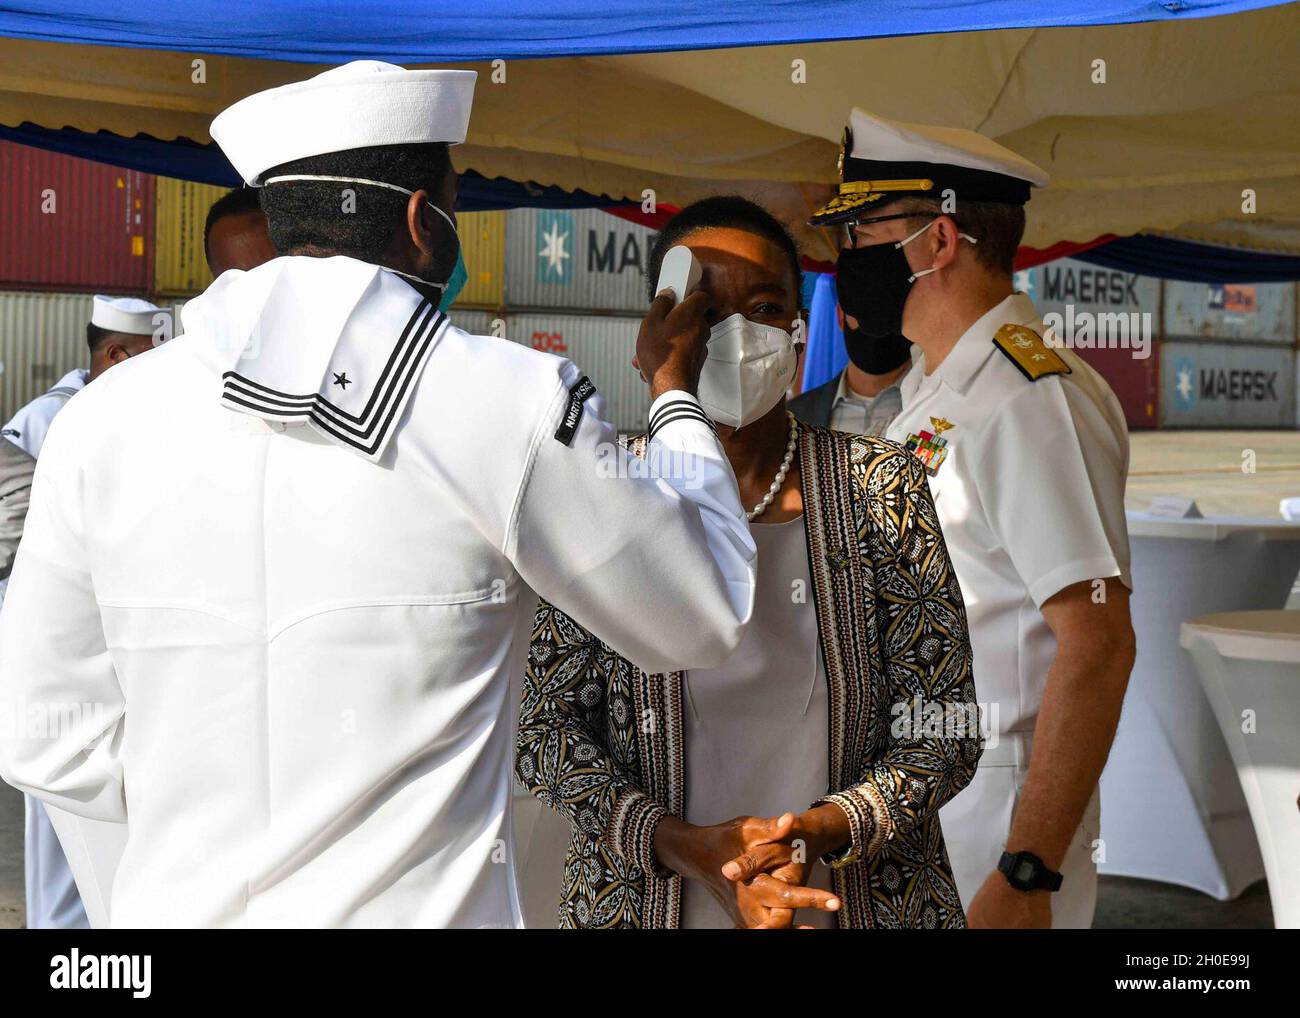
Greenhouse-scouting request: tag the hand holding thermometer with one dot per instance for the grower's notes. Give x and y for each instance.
(680, 272)
(671, 345)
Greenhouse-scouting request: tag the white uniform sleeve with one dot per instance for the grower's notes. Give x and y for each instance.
(1051, 473)
(60, 702)
(653, 556)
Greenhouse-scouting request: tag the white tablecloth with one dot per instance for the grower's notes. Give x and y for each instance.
(1249, 666)
(1171, 805)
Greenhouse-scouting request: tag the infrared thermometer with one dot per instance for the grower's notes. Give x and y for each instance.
(680, 272)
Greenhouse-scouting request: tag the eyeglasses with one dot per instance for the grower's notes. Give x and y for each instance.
(851, 224)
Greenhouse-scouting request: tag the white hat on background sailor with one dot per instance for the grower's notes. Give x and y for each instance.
(882, 159)
(358, 105)
(130, 316)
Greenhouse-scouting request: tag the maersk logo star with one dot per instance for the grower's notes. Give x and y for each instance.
(342, 380)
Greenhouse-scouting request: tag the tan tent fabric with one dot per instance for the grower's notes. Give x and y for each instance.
(1190, 116)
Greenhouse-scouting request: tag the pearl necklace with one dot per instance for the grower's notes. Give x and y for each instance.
(775, 488)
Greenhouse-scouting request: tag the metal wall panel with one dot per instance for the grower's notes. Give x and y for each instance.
(42, 338)
(1110, 319)
(71, 224)
(602, 347)
(581, 259)
(180, 265)
(477, 323)
(1259, 312)
(1227, 385)
(483, 238)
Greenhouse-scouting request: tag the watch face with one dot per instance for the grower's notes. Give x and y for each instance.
(1024, 871)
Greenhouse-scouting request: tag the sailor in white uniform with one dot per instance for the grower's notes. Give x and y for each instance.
(119, 327)
(1027, 453)
(302, 590)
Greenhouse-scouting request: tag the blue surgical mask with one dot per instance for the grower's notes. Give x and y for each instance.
(455, 282)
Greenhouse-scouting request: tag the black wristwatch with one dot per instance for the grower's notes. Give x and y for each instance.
(1026, 872)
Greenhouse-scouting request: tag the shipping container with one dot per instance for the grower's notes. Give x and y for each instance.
(1256, 312)
(478, 323)
(602, 346)
(42, 338)
(1227, 385)
(581, 259)
(483, 239)
(72, 224)
(1134, 380)
(180, 264)
(1112, 320)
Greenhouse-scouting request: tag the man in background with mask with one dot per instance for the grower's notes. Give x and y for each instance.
(864, 397)
(1027, 455)
(298, 602)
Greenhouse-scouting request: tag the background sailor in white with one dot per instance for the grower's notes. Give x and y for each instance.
(1027, 453)
(119, 327)
(304, 599)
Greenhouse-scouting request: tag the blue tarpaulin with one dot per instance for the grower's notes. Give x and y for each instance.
(333, 31)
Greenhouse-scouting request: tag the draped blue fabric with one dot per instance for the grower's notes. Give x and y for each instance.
(411, 31)
(825, 357)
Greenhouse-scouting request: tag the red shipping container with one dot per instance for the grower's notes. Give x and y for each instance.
(73, 224)
(1135, 381)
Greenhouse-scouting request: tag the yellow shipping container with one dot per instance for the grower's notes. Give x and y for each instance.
(483, 235)
(180, 268)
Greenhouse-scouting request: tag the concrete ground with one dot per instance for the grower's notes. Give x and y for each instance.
(1204, 465)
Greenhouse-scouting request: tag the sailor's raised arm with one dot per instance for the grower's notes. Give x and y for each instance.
(653, 555)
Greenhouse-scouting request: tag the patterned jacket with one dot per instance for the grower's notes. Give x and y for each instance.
(602, 742)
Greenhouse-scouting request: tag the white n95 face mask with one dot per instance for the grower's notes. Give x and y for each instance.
(748, 369)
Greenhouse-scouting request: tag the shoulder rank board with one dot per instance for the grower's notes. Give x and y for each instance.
(1027, 351)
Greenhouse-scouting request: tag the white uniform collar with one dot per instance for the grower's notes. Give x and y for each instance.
(976, 344)
(335, 343)
(74, 379)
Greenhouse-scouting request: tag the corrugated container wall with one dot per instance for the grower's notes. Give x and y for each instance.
(580, 259)
(1111, 320)
(181, 267)
(1227, 385)
(602, 347)
(1257, 312)
(72, 224)
(483, 238)
(42, 338)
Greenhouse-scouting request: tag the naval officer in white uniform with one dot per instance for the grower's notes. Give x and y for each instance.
(119, 327)
(301, 591)
(1027, 454)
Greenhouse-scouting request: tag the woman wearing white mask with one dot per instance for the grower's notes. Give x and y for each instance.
(799, 782)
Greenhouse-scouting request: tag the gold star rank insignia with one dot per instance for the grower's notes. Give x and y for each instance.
(940, 425)
(1026, 350)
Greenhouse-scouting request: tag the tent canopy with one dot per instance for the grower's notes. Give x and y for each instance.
(1181, 123)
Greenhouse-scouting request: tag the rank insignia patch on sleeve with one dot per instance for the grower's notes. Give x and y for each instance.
(1026, 350)
(929, 448)
(582, 390)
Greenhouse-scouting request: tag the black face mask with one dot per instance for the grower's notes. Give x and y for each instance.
(872, 291)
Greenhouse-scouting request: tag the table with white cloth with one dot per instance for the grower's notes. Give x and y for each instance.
(1172, 807)
(1249, 666)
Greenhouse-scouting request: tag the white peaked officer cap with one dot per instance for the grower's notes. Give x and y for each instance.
(129, 315)
(882, 160)
(358, 105)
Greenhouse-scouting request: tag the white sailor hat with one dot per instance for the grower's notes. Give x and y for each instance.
(882, 159)
(358, 105)
(129, 315)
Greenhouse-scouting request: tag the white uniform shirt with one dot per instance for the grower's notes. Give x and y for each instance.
(1028, 480)
(304, 656)
(27, 428)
